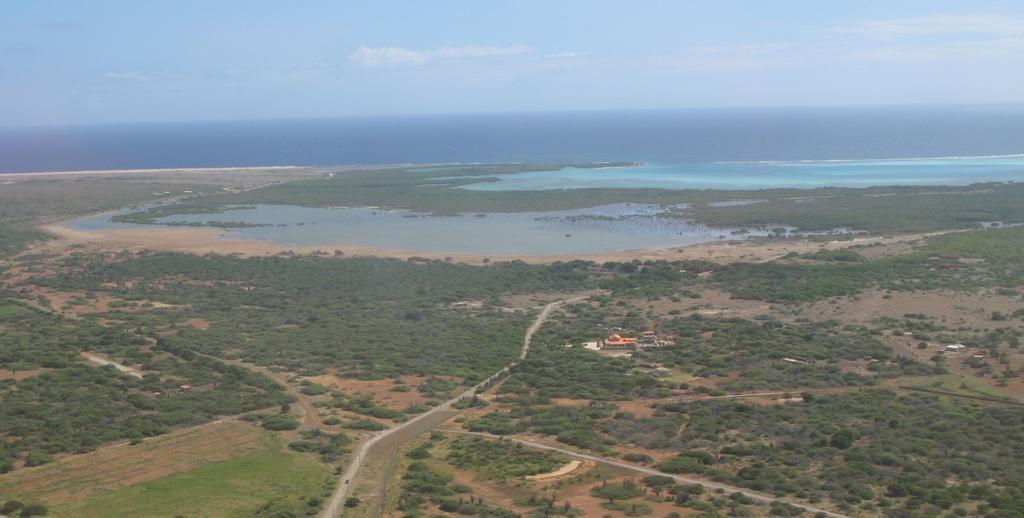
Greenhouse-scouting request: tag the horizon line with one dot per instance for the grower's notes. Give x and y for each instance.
(384, 116)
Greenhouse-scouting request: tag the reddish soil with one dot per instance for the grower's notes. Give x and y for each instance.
(380, 389)
(198, 323)
(20, 375)
(949, 309)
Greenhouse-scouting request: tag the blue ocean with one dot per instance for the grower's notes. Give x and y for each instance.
(730, 149)
(768, 147)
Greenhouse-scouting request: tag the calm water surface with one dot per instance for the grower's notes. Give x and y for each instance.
(594, 230)
(766, 175)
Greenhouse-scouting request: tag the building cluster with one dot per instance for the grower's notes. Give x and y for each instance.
(645, 340)
(957, 349)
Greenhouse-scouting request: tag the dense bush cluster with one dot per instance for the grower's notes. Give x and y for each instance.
(69, 406)
(369, 318)
(423, 484)
(757, 350)
(501, 460)
(560, 372)
(572, 425)
(873, 450)
(705, 347)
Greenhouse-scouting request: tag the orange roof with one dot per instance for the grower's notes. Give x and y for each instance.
(615, 339)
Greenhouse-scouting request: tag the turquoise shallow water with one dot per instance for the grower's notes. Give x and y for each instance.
(764, 175)
(592, 230)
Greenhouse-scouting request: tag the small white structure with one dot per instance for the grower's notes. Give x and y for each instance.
(956, 348)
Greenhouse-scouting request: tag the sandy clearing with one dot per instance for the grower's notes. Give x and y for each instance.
(220, 241)
(197, 323)
(949, 308)
(98, 360)
(20, 375)
(564, 470)
(380, 389)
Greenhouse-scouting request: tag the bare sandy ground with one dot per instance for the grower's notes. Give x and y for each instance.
(564, 470)
(219, 241)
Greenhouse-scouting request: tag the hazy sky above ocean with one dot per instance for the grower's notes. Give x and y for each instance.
(657, 137)
(74, 62)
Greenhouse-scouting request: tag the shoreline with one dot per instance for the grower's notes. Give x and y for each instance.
(595, 165)
(217, 241)
(105, 172)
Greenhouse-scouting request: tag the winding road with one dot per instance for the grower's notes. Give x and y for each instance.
(441, 413)
(431, 418)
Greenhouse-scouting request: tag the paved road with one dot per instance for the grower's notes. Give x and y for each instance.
(753, 495)
(427, 420)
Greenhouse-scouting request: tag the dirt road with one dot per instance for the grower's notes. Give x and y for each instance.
(758, 497)
(391, 438)
(308, 413)
(103, 361)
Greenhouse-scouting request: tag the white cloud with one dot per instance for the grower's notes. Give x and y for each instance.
(127, 76)
(566, 55)
(751, 49)
(391, 56)
(965, 50)
(937, 25)
(745, 56)
(387, 56)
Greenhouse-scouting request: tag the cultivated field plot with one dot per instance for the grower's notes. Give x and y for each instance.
(221, 469)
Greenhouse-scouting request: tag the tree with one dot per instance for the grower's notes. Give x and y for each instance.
(34, 510)
(842, 439)
(11, 506)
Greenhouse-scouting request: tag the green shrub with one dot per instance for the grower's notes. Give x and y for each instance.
(279, 422)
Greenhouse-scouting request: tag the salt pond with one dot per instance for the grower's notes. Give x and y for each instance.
(625, 226)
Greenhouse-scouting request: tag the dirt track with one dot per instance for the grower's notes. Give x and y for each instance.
(759, 497)
(308, 413)
(103, 362)
(386, 441)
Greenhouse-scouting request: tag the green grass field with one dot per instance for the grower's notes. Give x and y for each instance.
(228, 469)
(237, 487)
(962, 385)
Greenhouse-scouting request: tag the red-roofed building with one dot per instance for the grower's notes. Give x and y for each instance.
(617, 340)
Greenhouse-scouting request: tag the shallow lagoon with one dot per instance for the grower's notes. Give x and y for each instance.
(598, 229)
(602, 229)
(768, 175)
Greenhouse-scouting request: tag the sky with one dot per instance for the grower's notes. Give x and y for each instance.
(108, 61)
